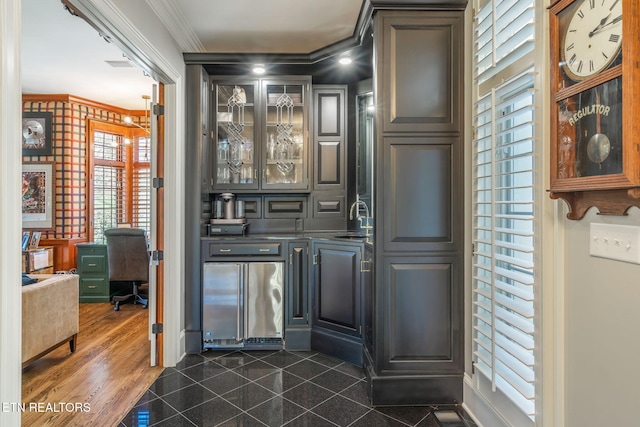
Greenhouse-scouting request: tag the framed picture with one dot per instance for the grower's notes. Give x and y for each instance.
(35, 240)
(36, 134)
(37, 195)
(25, 240)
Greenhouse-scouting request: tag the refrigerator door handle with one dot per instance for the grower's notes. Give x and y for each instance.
(240, 300)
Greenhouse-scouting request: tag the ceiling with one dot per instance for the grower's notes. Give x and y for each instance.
(61, 53)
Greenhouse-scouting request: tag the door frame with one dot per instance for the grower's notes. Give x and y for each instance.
(110, 20)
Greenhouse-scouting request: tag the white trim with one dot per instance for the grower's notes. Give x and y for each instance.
(174, 176)
(10, 214)
(481, 411)
(177, 24)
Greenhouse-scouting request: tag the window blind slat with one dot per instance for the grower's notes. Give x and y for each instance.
(503, 196)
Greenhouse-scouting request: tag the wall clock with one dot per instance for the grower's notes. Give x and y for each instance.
(595, 144)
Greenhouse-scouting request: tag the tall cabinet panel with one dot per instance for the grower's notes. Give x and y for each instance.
(417, 352)
(329, 151)
(298, 327)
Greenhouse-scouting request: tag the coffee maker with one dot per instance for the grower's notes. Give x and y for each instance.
(228, 216)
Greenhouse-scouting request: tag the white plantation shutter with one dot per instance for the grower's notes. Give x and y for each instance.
(503, 199)
(109, 183)
(142, 184)
(503, 36)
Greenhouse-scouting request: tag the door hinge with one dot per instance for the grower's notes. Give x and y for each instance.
(473, 368)
(365, 266)
(157, 255)
(158, 110)
(157, 182)
(360, 330)
(156, 328)
(316, 259)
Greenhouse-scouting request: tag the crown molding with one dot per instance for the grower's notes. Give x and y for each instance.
(359, 32)
(177, 24)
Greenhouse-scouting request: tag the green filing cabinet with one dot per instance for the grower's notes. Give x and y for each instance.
(94, 272)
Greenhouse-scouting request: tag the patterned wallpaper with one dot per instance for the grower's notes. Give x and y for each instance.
(70, 116)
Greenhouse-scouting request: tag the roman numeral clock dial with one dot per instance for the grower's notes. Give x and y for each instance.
(593, 38)
(595, 91)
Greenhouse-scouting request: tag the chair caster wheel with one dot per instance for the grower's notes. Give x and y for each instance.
(116, 308)
(144, 306)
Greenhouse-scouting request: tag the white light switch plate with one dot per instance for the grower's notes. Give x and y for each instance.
(619, 242)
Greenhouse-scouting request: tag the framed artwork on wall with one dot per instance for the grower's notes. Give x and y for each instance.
(36, 134)
(37, 195)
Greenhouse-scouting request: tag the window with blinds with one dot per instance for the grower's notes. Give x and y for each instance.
(503, 190)
(142, 184)
(109, 183)
(121, 184)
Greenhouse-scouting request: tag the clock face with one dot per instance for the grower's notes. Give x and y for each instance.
(591, 38)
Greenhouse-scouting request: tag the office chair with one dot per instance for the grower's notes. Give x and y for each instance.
(128, 259)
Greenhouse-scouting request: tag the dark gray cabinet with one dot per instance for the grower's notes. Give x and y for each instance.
(416, 353)
(329, 137)
(421, 312)
(298, 326)
(329, 196)
(337, 286)
(423, 193)
(368, 298)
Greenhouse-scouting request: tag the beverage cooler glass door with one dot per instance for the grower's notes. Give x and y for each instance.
(222, 311)
(265, 300)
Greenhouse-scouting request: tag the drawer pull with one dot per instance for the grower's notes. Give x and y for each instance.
(225, 250)
(92, 287)
(264, 250)
(92, 265)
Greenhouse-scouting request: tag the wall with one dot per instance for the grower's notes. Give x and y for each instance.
(70, 116)
(10, 290)
(602, 335)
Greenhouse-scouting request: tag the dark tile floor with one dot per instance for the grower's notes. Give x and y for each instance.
(273, 388)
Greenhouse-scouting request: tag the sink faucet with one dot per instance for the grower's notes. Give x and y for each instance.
(354, 206)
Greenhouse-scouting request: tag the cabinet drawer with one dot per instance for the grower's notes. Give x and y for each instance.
(93, 286)
(225, 249)
(93, 264)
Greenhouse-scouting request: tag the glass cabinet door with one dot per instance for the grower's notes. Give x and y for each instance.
(236, 149)
(285, 140)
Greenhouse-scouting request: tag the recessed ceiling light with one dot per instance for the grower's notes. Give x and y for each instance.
(259, 69)
(345, 60)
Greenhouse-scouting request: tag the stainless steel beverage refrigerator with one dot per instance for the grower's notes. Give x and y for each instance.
(243, 304)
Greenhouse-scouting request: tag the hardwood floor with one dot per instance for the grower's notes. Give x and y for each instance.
(108, 373)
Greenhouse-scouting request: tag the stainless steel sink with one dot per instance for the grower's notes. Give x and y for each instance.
(351, 236)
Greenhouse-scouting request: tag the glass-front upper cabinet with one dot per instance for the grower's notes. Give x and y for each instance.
(285, 135)
(262, 134)
(237, 147)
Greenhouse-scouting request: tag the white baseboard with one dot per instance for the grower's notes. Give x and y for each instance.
(478, 408)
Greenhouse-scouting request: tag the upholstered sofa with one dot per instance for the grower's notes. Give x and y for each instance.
(49, 315)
